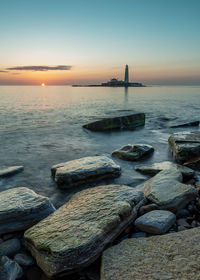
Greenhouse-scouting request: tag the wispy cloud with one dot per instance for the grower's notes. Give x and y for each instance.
(40, 68)
(3, 71)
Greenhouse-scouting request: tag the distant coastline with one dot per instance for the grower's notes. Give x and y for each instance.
(108, 85)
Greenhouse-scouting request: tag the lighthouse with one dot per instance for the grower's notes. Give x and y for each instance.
(126, 76)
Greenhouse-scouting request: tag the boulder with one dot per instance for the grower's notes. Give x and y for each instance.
(166, 190)
(8, 171)
(185, 145)
(10, 247)
(76, 234)
(20, 208)
(170, 256)
(9, 270)
(157, 221)
(195, 123)
(193, 163)
(133, 152)
(24, 259)
(129, 122)
(153, 169)
(84, 170)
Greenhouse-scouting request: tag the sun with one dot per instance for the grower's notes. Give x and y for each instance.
(43, 84)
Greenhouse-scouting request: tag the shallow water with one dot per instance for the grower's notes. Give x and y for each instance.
(42, 126)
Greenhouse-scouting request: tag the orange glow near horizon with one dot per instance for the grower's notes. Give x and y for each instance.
(43, 84)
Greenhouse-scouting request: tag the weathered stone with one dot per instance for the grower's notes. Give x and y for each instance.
(75, 235)
(20, 208)
(183, 213)
(139, 234)
(24, 259)
(83, 170)
(183, 222)
(195, 123)
(133, 152)
(185, 145)
(157, 221)
(129, 122)
(10, 247)
(8, 171)
(163, 257)
(166, 190)
(193, 163)
(155, 168)
(147, 208)
(9, 270)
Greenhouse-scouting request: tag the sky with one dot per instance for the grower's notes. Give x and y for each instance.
(60, 42)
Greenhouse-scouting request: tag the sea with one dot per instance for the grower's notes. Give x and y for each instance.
(42, 126)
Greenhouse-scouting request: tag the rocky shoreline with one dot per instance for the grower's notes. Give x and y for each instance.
(117, 227)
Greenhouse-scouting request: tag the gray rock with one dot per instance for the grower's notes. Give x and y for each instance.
(193, 163)
(166, 190)
(172, 256)
(117, 123)
(147, 208)
(85, 225)
(139, 234)
(133, 152)
(84, 170)
(8, 171)
(20, 208)
(24, 259)
(9, 270)
(185, 145)
(10, 247)
(195, 123)
(157, 221)
(153, 169)
(183, 213)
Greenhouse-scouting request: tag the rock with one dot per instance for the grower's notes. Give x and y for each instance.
(183, 213)
(8, 171)
(157, 221)
(129, 122)
(10, 247)
(139, 234)
(8, 236)
(20, 208)
(166, 190)
(155, 168)
(183, 222)
(84, 170)
(9, 270)
(24, 259)
(196, 123)
(193, 163)
(181, 228)
(76, 234)
(133, 152)
(185, 145)
(147, 208)
(170, 256)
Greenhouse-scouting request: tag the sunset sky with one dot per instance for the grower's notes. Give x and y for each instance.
(90, 41)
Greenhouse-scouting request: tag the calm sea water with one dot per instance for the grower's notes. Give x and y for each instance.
(42, 126)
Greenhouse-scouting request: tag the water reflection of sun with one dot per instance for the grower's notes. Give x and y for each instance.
(43, 84)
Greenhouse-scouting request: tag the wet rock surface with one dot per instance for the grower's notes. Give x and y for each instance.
(185, 145)
(9, 269)
(83, 170)
(9, 171)
(170, 256)
(133, 152)
(10, 247)
(21, 208)
(84, 227)
(157, 221)
(195, 123)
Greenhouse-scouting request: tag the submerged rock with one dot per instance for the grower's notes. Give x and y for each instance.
(185, 145)
(157, 221)
(20, 208)
(9, 270)
(83, 170)
(133, 152)
(121, 122)
(8, 171)
(75, 235)
(166, 190)
(170, 256)
(195, 123)
(153, 169)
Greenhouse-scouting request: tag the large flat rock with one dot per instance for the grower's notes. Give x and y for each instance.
(166, 190)
(20, 208)
(83, 170)
(153, 169)
(75, 235)
(185, 145)
(133, 152)
(11, 170)
(130, 121)
(172, 256)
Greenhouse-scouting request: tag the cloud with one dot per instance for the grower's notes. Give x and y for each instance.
(40, 68)
(3, 71)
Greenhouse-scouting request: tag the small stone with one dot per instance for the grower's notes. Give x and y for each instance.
(9, 270)
(183, 213)
(192, 209)
(133, 152)
(8, 236)
(24, 259)
(193, 224)
(8, 171)
(183, 222)
(10, 247)
(157, 221)
(139, 234)
(147, 208)
(181, 228)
